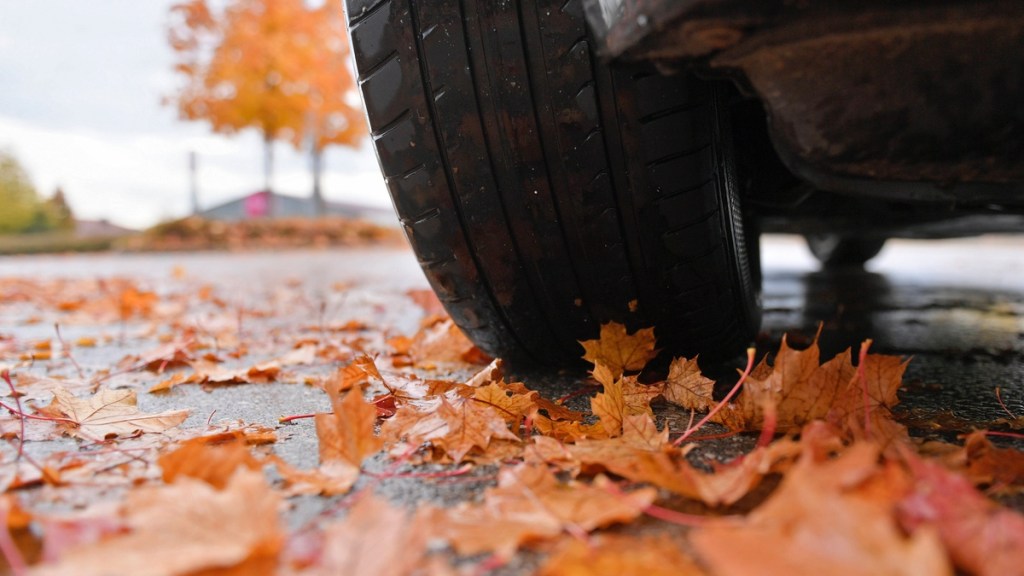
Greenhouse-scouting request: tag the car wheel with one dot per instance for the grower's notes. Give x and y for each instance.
(545, 193)
(836, 251)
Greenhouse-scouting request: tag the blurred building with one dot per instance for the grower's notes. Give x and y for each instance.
(264, 204)
(99, 228)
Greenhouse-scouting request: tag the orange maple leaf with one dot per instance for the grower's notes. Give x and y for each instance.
(212, 459)
(650, 555)
(642, 454)
(513, 407)
(981, 537)
(687, 387)
(183, 528)
(620, 351)
(347, 434)
(375, 539)
(470, 425)
(109, 413)
(829, 516)
(803, 390)
(530, 504)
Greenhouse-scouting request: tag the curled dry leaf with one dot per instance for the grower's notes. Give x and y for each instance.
(530, 504)
(109, 413)
(829, 516)
(981, 537)
(802, 390)
(345, 437)
(212, 459)
(469, 425)
(511, 406)
(1002, 468)
(211, 373)
(375, 539)
(183, 528)
(687, 387)
(443, 341)
(642, 454)
(656, 555)
(619, 350)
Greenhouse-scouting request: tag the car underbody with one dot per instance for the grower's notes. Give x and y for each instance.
(883, 118)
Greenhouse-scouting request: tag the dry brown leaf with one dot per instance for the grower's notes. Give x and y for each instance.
(802, 391)
(347, 434)
(620, 351)
(330, 479)
(642, 454)
(552, 410)
(981, 537)
(567, 430)
(109, 413)
(687, 387)
(530, 504)
(829, 516)
(469, 425)
(375, 539)
(606, 554)
(183, 528)
(512, 407)
(211, 373)
(168, 356)
(610, 408)
(355, 374)
(445, 342)
(1002, 468)
(212, 459)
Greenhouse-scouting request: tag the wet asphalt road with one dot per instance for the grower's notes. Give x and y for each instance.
(956, 307)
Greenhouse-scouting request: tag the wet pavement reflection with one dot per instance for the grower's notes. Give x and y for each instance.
(955, 307)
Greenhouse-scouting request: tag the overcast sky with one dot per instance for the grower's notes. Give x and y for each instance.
(81, 83)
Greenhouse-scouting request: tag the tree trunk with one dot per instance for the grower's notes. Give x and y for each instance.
(268, 172)
(319, 205)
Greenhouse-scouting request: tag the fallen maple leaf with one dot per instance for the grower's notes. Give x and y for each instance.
(329, 479)
(831, 516)
(212, 459)
(109, 413)
(211, 373)
(375, 539)
(530, 504)
(687, 387)
(642, 454)
(511, 406)
(1002, 468)
(346, 436)
(620, 351)
(610, 408)
(802, 390)
(445, 342)
(183, 528)
(654, 555)
(355, 374)
(981, 537)
(469, 425)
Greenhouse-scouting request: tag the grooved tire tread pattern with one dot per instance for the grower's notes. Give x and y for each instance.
(544, 193)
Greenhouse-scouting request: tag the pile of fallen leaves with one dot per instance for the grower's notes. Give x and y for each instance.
(832, 483)
(196, 233)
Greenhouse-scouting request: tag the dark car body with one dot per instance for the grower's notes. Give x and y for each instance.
(908, 114)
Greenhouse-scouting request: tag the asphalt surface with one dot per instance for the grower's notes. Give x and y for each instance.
(955, 307)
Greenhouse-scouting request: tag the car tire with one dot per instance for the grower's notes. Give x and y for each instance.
(545, 193)
(836, 251)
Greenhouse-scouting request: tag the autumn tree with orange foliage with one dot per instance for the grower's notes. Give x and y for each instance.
(274, 65)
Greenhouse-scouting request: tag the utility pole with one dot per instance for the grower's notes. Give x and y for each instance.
(193, 180)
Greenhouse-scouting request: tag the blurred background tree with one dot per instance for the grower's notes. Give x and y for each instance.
(278, 66)
(22, 208)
